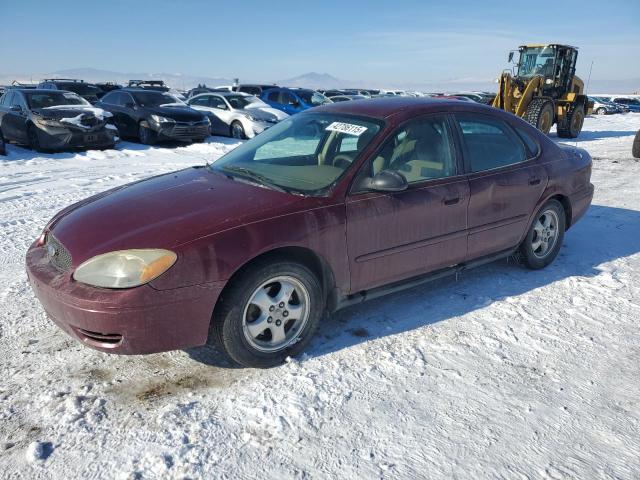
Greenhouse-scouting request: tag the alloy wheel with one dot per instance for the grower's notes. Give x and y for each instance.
(545, 233)
(276, 313)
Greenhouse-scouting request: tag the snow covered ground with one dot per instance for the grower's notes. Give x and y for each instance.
(504, 373)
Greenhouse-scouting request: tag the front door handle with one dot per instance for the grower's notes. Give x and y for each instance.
(451, 201)
(534, 181)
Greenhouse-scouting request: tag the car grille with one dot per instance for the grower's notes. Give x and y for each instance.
(186, 131)
(89, 120)
(58, 255)
(99, 337)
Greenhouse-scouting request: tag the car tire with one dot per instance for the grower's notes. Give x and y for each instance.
(545, 236)
(237, 130)
(601, 111)
(3, 148)
(571, 126)
(34, 141)
(636, 145)
(280, 299)
(146, 135)
(540, 114)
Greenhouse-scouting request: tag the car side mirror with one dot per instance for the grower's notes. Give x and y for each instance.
(16, 108)
(130, 105)
(385, 181)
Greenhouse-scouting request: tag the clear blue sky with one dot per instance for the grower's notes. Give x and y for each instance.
(404, 41)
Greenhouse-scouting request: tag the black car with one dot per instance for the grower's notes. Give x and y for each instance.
(88, 91)
(253, 88)
(53, 120)
(151, 116)
(106, 87)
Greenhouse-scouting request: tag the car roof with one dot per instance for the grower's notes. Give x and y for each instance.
(382, 108)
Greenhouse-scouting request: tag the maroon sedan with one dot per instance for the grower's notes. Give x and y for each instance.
(328, 208)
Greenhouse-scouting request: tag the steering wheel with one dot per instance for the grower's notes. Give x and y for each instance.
(342, 160)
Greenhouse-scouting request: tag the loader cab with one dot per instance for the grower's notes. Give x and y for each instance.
(555, 63)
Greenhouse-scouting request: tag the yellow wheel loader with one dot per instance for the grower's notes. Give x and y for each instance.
(543, 89)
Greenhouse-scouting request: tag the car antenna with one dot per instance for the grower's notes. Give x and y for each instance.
(586, 91)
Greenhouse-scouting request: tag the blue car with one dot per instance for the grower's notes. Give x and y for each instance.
(293, 100)
(632, 103)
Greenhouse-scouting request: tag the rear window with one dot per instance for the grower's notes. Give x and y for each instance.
(489, 143)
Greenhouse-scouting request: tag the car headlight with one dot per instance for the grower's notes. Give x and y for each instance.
(251, 117)
(47, 122)
(158, 119)
(125, 268)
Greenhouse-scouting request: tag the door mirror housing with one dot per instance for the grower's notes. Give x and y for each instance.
(16, 108)
(510, 57)
(385, 181)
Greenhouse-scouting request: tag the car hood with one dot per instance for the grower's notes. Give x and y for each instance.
(166, 211)
(279, 114)
(177, 113)
(64, 111)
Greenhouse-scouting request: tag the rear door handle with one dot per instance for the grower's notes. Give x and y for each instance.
(451, 201)
(534, 181)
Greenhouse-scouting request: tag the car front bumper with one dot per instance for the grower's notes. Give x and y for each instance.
(182, 132)
(253, 128)
(61, 138)
(130, 321)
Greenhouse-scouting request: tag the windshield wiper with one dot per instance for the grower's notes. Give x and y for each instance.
(256, 177)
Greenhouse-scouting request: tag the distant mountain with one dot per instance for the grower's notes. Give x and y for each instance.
(314, 80)
(308, 80)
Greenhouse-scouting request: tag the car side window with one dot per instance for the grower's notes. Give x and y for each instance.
(489, 143)
(201, 101)
(111, 98)
(532, 146)
(19, 100)
(8, 98)
(217, 102)
(287, 98)
(420, 150)
(273, 96)
(124, 99)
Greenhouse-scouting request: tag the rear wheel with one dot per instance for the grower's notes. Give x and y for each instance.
(3, 150)
(237, 130)
(540, 114)
(601, 111)
(268, 314)
(571, 126)
(146, 135)
(636, 145)
(544, 238)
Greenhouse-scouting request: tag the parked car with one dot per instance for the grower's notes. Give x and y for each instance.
(236, 114)
(328, 208)
(452, 97)
(602, 106)
(484, 98)
(346, 98)
(333, 93)
(157, 85)
(202, 89)
(253, 88)
(632, 103)
(53, 120)
(293, 100)
(151, 116)
(88, 91)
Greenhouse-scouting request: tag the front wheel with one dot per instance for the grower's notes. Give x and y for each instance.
(34, 141)
(146, 135)
(544, 238)
(268, 314)
(601, 111)
(571, 125)
(540, 113)
(237, 131)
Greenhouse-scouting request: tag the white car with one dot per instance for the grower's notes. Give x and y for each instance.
(236, 114)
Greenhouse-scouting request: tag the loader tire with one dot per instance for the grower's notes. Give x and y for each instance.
(636, 145)
(571, 126)
(540, 114)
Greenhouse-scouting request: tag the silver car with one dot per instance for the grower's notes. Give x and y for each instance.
(236, 114)
(602, 106)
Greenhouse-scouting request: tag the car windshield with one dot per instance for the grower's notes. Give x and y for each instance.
(157, 99)
(536, 61)
(254, 102)
(313, 98)
(54, 99)
(306, 153)
(238, 101)
(79, 88)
